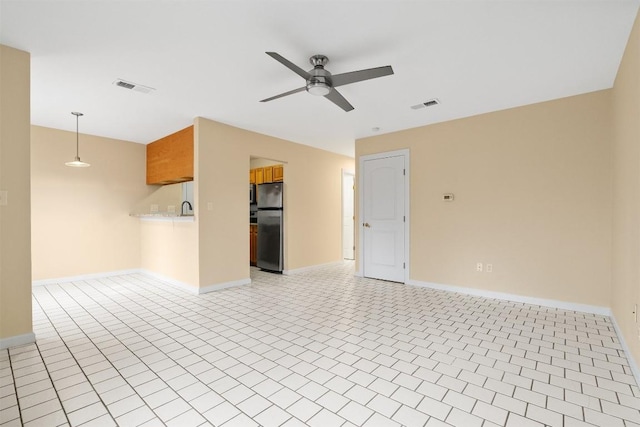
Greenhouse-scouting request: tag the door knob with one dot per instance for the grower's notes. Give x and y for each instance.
(366, 224)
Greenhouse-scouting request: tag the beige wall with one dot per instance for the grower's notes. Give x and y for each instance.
(164, 196)
(532, 197)
(312, 200)
(80, 216)
(626, 192)
(170, 249)
(15, 231)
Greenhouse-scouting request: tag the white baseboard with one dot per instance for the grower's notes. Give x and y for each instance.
(194, 289)
(632, 363)
(169, 281)
(564, 305)
(225, 285)
(84, 277)
(17, 340)
(311, 268)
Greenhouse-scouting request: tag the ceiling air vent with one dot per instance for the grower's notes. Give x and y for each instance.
(133, 86)
(429, 103)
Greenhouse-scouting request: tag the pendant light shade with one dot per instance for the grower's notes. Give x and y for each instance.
(77, 163)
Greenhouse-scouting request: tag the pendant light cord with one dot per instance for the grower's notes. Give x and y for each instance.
(77, 137)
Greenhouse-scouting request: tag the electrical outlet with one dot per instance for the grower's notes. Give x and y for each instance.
(171, 209)
(479, 266)
(154, 208)
(4, 197)
(489, 268)
(210, 206)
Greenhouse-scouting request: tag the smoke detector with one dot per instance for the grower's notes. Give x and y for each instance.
(429, 103)
(133, 86)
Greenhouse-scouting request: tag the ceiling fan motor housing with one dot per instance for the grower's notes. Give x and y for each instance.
(320, 81)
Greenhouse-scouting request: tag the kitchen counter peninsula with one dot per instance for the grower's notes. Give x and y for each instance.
(163, 216)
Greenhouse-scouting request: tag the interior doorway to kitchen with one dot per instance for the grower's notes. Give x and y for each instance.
(348, 215)
(267, 225)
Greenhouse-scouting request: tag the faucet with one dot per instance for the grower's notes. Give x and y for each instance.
(182, 207)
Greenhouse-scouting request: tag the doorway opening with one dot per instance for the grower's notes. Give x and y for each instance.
(348, 215)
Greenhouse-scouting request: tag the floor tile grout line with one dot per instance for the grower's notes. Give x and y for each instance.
(316, 399)
(241, 383)
(49, 375)
(168, 386)
(15, 386)
(399, 327)
(71, 353)
(113, 366)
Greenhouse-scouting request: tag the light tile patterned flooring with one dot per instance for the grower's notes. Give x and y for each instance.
(321, 348)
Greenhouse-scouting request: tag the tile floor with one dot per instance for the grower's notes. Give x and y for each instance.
(321, 348)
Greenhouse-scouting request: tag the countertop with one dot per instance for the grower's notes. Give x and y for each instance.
(163, 216)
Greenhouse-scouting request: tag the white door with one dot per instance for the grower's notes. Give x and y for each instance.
(348, 219)
(383, 218)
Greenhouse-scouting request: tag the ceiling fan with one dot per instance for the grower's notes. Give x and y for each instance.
(320, 82)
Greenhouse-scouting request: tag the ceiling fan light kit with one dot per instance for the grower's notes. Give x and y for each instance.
(320, 82)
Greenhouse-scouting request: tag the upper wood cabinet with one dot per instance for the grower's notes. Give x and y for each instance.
(278, 173)
(170, 159)
(268, 173)
(259, 175)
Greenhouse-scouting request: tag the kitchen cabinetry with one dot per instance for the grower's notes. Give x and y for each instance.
(259, 175)
(253, 244)
(278, 173)
(170, 159)
(266, 174)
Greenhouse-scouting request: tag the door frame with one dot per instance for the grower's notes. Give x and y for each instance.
(407, 196)
(352, 174)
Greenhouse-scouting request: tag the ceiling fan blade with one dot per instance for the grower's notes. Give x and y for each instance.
(358, 76)
(290, 65)
(291, 92)
(335, 97)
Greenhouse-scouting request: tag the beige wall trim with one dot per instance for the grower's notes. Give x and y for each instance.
(82, 277)
(17, 340)
(169, 281)
(192, 289)
(632, 362)
(564, 305)
(225, 285)
(311, 268)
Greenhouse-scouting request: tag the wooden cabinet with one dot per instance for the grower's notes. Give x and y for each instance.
(278, 173)
(253, 244)
(259, 176)
(170, 159)
(268, 173)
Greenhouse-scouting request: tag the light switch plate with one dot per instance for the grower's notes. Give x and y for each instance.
(4, 197)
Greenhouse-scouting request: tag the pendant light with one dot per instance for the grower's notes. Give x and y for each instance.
(77, 163)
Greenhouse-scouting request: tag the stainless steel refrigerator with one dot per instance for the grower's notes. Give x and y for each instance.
(270, 227)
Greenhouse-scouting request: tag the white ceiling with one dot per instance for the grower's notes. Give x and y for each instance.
(207, 58)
